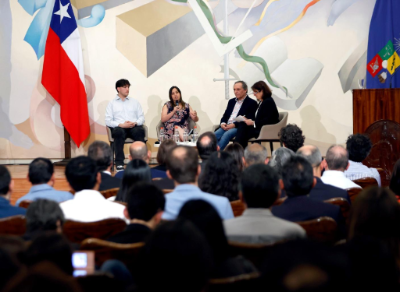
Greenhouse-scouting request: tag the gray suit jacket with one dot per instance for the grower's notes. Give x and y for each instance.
(260, 226)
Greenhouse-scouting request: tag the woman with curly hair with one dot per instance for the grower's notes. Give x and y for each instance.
(292, 137)
(221, 176)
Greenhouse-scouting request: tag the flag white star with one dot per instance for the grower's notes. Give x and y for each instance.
(63, 11)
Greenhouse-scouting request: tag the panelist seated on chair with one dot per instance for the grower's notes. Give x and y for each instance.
(6, 188)
(242, 105)
(266, 113)
(124, 115)
(176, 112)
(41, 176)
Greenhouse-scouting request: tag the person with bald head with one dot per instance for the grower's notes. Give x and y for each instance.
(320, 191)
(138, 150)
(255, 154)
(335, 163)
(206, 145)
(184, 169)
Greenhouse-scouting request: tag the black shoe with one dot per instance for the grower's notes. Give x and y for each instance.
(120, 167)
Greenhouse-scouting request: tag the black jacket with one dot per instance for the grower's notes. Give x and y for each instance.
(109, 182)
(248, 109)
(133, 233)
(267, 113)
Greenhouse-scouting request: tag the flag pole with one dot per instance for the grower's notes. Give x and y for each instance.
(67, 150)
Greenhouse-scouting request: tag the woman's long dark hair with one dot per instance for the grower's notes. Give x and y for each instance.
(262, 86)
(181, 102)
(136, 171)
(221, 176)
(237, 151)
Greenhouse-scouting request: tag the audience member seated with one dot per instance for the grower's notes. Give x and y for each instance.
(162, 154)
(145, 205)
(291, 137)
(101, 152)
(335, 163)
(376, 214)
(257, 225)
(298, 180)
(88, 204)
(320, 191)
(41, 176)
(221, 176)
(255, 154)
(138, 150)
(206, 145)
(279, 158)
(175, 257)
(9, 267)
(43, 215)
(394, 184)
(237, 151)
(359, 146)
(183, 167)
(207, 220)
(136, 171)
(6, 188)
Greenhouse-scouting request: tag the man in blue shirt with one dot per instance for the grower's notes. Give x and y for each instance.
(184, 169)
(41, 175)
(6, 188)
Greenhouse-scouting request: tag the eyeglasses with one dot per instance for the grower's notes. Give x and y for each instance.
(255, 91)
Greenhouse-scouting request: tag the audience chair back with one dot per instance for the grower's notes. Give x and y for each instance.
(25, 204)
(353, 193)
(109, 193)
(105, 250)
(191, 125)
(366, 182)
(343, 204)
(323, 229)
(240, 283)
(167, 191)
(13, 225)
(78, 231)
(238, 208)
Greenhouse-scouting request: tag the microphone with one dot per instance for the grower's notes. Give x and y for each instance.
(177, 102)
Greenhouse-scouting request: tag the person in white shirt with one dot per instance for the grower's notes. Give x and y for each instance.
(359, 147)
(88, 204)
(335, 163)
(124, 115)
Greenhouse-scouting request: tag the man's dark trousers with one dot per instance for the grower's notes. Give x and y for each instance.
(120, 134)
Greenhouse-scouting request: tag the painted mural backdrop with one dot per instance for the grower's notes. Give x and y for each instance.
(310, 52)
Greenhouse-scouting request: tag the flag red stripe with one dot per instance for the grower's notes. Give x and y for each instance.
(61, 79)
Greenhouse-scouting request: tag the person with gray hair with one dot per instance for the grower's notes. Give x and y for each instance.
(320, 191)
(279, 158)
(101, 152)
(335, 163)
(255, 154)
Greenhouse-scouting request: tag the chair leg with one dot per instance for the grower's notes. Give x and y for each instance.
(113, 156)
(271, 144)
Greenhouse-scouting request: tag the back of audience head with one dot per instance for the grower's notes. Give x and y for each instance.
(176, 256)
(292, 137)
(260, 186)
(101, 152)
(206, 145)
(313, 156)
(41, 171)
(146, 202)
(220, 176)
(44, 215)
(82, 174)
(163, 151)
(207, 220)
(6, 183)
(237, 151)
(183, 165)
(138, 150)
(358, 146)
(337, 158)
(254, 154)
(136, 171)
(279, 158)
(376, 213)
(395, 179)
(297, 176)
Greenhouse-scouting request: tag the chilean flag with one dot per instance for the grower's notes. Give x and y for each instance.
(63, 75)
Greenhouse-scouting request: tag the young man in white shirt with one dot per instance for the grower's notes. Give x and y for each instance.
(124, 115)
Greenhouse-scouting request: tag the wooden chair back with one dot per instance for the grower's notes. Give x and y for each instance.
(240, 283)
(238, 207)
(255, 253)
(25, 204)
(79, 231)
(323, 229)
(343, 204)
(13, 225)
(109, 193)
(105, 250)
(353, 193)
(366, 182)
(167, 191)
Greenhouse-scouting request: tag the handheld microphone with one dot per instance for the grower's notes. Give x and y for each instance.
(177, 102)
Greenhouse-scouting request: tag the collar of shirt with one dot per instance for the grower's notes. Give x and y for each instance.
(240, 101)
(88, 195)
(4, 201)
(333, 173)
(257, 212)
(41, 187)
(119, 98)
(107, 172)
(186, 188)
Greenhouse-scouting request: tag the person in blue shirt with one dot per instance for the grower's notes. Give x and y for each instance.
(6, 188)
(184, 169)
(41, 176)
